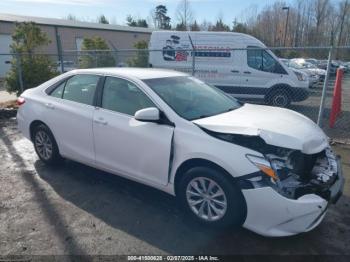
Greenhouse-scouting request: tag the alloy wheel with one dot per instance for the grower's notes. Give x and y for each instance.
(43, 144)
(206, 199)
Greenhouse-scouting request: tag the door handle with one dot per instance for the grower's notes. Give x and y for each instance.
(247, 72)
(49, 105)
(234, 71)
(100, 121)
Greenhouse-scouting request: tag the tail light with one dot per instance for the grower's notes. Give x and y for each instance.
(20, 101)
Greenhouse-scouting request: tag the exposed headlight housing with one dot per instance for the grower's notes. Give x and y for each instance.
(264, 165)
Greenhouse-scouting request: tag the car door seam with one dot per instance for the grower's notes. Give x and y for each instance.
(171, 155)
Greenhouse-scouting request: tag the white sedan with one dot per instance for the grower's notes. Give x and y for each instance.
(268, 169)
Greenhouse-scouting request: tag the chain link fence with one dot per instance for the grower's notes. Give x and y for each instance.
(257, 77)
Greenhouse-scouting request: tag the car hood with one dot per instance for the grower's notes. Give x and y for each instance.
(276, 126)
(308, 72)
(321, 71)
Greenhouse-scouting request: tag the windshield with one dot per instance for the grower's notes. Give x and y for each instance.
(191, 98)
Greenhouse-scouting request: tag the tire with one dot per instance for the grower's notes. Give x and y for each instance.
(45, 145)
(233, 214)
(279, 98)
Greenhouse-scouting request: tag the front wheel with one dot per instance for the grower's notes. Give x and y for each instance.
(279, 98)
(211, 198)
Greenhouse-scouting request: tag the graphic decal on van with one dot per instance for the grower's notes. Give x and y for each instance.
(174, 51)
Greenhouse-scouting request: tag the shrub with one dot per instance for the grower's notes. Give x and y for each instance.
(141, 57)
(36, 68)
(101, 58)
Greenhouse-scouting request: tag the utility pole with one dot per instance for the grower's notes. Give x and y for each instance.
(286, 28)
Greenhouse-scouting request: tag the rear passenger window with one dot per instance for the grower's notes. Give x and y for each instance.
(81, 89)
(58, 91)
(122, 96)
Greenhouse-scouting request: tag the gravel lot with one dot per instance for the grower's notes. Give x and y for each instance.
(310, 108)
(75, 209)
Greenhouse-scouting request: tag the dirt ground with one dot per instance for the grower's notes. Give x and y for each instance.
(4, 95)
(75, 209)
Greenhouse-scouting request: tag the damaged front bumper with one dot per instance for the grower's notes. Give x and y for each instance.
(273, 210)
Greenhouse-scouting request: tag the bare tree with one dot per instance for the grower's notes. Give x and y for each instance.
(344, 8)
(184, 14)
(298, 23)
(311, 23)
(347, 30)
(71, 17)
(205, 25)
(321, 12)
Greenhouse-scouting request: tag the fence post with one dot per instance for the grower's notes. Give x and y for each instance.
(193, 56)
(59, 49)
(193, 61)
(324, 90)
(116, 57)
(146, 55)
(20, 72)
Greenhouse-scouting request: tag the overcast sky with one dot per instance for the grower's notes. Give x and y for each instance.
(117, 10)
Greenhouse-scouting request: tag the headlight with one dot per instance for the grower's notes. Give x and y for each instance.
(264, 165)
(300, 76)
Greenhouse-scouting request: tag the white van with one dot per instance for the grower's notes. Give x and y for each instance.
(251, 72)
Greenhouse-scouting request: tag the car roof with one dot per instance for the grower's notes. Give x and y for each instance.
(139, 73)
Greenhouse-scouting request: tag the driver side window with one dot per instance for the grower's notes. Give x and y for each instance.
(261, 60)
(122, 96)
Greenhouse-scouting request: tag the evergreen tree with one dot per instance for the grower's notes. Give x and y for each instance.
(162, 21)
(130, 21)
(103, 20)
(195, 26)
(99, 56)
(36, 68)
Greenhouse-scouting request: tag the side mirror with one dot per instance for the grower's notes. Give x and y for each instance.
(150, 114)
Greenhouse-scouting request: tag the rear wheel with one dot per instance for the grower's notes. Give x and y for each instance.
(210, 198)
(45, 145)
(279, 98)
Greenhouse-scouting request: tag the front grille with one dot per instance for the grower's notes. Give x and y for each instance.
(308, 174)
(303, 164)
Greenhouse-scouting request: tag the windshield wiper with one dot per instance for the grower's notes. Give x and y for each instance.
(230, 109)
(203, 116)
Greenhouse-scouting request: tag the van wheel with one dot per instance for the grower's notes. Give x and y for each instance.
(279, 98)
(211, 199)
(45, 145)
